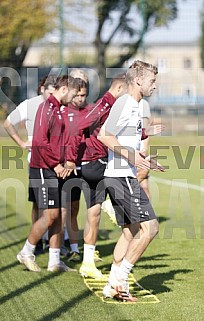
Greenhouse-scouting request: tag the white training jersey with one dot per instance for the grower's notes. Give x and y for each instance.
(124, 122)
(145, 112)
(144, 109)
(26, 111)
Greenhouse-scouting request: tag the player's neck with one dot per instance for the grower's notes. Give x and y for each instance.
(134, 93)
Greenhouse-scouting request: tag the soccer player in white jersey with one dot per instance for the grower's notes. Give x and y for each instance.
(121, 133)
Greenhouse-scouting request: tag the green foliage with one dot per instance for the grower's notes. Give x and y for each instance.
(21, 22)
(150, 14)
(155, 13)
(159, 12)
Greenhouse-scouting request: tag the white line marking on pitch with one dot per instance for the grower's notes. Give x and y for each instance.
(177, 182)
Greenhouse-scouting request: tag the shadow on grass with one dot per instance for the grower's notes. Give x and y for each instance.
(7, 267)
(7, 216)
(156, 282)
(13, 228)
(106, 249)
(32, 285)
(162, 219)
(66, 306)
(9, 245)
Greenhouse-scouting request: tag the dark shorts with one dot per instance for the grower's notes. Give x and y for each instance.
(93, 186)
(129, 200)
(71, 190)
(45, 188)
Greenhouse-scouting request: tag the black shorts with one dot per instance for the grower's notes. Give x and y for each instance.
(93, 186)
(45, 188)
(72, 187)
(129, 200)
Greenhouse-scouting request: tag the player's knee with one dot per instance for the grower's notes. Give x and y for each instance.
(154, 228)
(53, 216)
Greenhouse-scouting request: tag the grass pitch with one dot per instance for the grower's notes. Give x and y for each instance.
(171, 268)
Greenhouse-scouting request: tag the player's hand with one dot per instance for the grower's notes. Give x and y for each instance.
(142, 174)
(152, 130)
(26, 145)
(61, 171)
(70, 166)
(140, 161)
(154, 164)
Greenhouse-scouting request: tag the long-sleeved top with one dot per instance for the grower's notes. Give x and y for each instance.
(83, 144)
(48, 145)
(72, 117)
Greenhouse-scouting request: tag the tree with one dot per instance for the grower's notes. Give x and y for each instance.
(148, 14)
(21, 22)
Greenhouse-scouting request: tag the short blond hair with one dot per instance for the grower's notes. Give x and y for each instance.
(138, 68)
(79, 73)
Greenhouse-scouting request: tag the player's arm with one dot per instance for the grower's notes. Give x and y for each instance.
(90, 120)
(133, 157)
(15, 136)
(15, 118)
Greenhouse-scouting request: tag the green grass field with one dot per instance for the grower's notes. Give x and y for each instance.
(171, 268)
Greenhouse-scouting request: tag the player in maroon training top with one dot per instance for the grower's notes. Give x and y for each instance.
(93, 163)
(71, 193)
(48, 168)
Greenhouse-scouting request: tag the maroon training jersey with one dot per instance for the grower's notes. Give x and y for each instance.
(85, 137)
(72, 117)
(48, 145)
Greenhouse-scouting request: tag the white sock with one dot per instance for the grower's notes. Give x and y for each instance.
(125, 269)
(89, 253)
(54, 256)
(114, 270)
(74, 247)
(28, 248)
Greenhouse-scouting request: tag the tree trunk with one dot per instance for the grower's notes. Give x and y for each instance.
(10, 78)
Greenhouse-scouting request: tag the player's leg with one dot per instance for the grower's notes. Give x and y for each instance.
(46, 187)
(35, 215)
(26, 256)
(70, 203)
(94, 192)
(92, 224)
(73, 229)
(135, 214)
(145, 185)
(139, 243)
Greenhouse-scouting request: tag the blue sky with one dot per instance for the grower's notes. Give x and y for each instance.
(185, 28)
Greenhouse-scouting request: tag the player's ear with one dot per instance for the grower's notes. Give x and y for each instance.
(42, 89)
(64, 89)
(119, 88)
(138, 81)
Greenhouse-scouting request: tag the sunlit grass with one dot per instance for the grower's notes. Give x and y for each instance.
(172, 266)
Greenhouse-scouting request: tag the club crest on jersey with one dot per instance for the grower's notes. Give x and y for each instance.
(139, 126)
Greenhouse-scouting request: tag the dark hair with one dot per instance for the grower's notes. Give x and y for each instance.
(81, 83)
(68, 81)
(49, 80)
